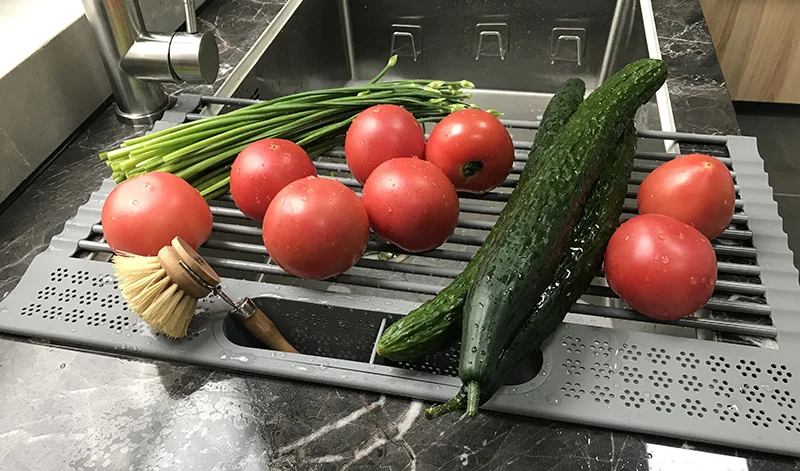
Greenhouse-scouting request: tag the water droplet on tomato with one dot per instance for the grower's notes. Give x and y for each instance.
(692, 281)
(627, 237)
(135, 202)
(664, 259)
(662, 237)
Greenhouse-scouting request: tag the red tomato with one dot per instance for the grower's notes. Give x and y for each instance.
(316, 228)
(411, 203)
(143, 214)
(695, 189)
(262, 169)
(381, 133)
(473, 149)
(660, 266)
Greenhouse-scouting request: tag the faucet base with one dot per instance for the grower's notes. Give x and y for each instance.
(141, 118)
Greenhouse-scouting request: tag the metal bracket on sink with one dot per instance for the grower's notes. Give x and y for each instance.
(492, 30)
(411, 35)
(561, 34)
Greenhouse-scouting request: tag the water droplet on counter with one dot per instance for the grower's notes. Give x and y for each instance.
(474, 349)
(553, 400)
(324, 366)
(733, 408)
(63, 365)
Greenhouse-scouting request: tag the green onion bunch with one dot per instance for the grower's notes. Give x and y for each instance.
(202, 152)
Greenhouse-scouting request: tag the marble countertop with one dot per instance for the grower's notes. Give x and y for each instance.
(70, 409)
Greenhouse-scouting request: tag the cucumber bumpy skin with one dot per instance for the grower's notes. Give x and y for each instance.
(574, 274)
(436, 324)
(526, 252)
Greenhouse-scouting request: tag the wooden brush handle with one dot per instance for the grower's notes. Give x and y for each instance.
(263, 329)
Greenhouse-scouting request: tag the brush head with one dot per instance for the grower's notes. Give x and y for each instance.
(159, 289)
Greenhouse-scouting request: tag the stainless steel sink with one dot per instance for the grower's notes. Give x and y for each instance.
(517, 52)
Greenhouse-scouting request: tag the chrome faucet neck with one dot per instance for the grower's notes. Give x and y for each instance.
(137, 60)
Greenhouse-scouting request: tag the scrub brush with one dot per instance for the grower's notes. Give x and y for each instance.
(163, 291)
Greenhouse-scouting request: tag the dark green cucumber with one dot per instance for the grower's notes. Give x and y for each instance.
(530, 243)
(599, 219)
(436, 324)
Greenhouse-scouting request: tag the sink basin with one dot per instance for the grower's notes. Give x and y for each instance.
(516, 60)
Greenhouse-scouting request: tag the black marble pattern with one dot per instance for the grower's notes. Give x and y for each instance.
(701, 102)
(69, 409)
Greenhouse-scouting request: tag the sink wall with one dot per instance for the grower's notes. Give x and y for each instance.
(324, 44)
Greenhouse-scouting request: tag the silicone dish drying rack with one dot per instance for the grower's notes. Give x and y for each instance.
(728, 375)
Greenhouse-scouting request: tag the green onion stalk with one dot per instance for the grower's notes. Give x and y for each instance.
(202, 152)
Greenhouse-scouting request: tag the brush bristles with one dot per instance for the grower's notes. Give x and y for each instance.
(153, 296)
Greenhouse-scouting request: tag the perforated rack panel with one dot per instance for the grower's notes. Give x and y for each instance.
(734, 382)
